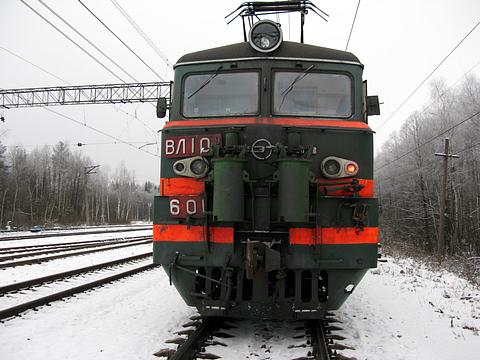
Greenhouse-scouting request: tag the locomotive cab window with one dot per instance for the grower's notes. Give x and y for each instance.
(312, 94)
(221, 94)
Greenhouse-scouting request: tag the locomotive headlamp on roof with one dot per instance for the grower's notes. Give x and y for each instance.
(265, 36)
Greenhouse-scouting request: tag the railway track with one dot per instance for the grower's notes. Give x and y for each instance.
(98, 247)
(209, 338)
(35, 285)
(23, 248)
(59, 234)
(33, 250)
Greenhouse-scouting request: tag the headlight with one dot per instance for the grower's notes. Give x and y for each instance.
(334, 167)
(196, 167)
(199, 167)
(331, 167)
(265, 36)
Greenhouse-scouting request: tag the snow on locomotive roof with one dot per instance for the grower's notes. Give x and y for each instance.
(288, 50)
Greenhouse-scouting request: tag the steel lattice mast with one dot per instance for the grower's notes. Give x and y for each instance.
(84, 94)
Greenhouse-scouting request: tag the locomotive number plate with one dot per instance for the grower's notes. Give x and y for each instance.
(189, 145)
(184, 206)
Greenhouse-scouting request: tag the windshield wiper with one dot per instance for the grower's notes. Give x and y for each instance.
(292, 84)
(206, 82)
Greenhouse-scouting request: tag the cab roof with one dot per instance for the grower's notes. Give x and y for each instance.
(287, 49)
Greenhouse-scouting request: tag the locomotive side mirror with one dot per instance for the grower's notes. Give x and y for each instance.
(161, 107)
(373, 105)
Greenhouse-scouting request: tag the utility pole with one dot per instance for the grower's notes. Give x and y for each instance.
(88, 171)
(443, 201)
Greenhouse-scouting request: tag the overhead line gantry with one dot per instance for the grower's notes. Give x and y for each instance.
(84, 94)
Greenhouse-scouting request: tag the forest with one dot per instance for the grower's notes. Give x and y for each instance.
(409, 175)
(52, 186)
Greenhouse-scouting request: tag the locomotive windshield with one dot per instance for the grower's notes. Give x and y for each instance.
(221, 94)
(312, 94)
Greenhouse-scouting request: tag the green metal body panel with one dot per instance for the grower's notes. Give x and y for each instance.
(293, 187)
(228, 189)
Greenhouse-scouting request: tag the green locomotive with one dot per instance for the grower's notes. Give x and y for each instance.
(266, 205)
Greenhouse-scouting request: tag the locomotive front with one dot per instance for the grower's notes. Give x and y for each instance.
(266, 205)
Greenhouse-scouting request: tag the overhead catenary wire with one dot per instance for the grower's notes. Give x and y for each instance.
(428, 76)
(404, 173)
(430, 140)
(101, 132)
(468, 148)
(35, 65)
(353, 24)
(118, 38)
(408, 172)
(93, 45)
(71, 40)
(154, 133)
(142, 33)
(80, 144)
(449, 87)
(438, 97)
(87, 40)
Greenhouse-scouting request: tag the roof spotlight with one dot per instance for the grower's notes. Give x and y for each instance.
(265, 36)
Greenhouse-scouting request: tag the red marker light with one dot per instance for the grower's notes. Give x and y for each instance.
(351, 168)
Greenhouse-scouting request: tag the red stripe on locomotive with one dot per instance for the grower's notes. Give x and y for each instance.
(185, 233)
(333, 236)
(269, 121)
(181, 186)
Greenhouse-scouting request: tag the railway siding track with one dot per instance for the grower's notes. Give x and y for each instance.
(60, 256)
(44, 300)
(67, 247)
(37, 236)
(21, 248)
(60, 234)
(44, 279)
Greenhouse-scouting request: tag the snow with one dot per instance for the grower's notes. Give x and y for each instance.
(127, 319)
(402, 310)
(262, 340)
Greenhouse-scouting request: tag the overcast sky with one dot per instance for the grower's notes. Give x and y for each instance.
(399, 42)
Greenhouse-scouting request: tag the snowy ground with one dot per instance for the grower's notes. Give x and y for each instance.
(404, 311)
(400, 311)
(127, 319)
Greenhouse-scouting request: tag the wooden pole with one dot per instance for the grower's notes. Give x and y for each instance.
(88, 171)
(443, 196)
(443, 202)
